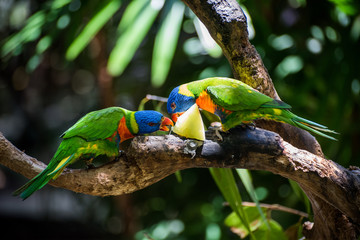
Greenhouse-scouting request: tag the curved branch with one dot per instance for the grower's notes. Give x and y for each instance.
(332, 189)
(152, 158)
(227, 24)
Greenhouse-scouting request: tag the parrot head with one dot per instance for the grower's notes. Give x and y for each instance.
(179, 101)
(150, 121)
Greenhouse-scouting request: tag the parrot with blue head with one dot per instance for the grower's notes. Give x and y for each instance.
(97, 133)
(235, 103)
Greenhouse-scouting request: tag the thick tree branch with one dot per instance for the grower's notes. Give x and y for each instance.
(332, 189)
(150, 159)
(227, 24)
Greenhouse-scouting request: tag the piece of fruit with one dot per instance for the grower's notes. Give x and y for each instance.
(190, 124)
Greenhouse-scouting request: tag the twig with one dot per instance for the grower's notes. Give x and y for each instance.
(277, 207)
(156, 98)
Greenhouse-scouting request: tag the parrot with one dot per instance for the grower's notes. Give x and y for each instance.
(236, 103)
(97, 133)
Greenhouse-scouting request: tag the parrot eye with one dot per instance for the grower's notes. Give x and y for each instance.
(173, 106)
(151, 124)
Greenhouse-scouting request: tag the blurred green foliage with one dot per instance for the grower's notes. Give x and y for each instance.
(54, 56)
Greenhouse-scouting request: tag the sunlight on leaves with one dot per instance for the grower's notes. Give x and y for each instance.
(269, 230)
(93, 27)
(132, 11)
(350, 7)
(59, 3)
(289, 65)
(129, 40)
(275, 232)
(30, 32)
(238, 227)
(282, 42)
(43, 44)
(211, 47)
(165, 44)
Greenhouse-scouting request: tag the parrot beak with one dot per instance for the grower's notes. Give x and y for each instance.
(175, 116)
(166, 122)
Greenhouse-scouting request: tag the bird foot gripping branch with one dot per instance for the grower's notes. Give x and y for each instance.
(216, 127)
(191, 145)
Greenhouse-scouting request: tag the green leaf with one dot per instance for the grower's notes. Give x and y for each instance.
(130, 39)
(165, 43)
(246, 179)
(269, 230)
(302, 196)
(237, 226)
(30, 32)
(178, 176)
(208, 43)
(349, 7)
(43, 44)
(59, 3)
(275, 233)
(225, 180)
(92, 28)
(132, 12)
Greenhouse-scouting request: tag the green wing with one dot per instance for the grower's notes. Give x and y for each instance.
(97, 125)
(237, 96)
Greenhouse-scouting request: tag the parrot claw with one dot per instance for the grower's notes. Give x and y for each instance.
(191, 145)
(216, 127)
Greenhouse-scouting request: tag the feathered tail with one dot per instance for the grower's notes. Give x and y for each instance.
(52, 171)
(313, 127)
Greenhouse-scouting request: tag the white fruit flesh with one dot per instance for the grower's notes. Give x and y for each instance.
(190, 124)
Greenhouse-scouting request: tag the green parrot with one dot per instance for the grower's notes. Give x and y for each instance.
(97, 133)
(235, 103)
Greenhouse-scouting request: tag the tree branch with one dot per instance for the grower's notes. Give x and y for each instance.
(152, 158)
(277, 207)
(227, 24)
(332, 189)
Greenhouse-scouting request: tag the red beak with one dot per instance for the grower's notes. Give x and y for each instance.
(175, 116)
(166, 122)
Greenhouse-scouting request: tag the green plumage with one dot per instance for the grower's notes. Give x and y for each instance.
(93, 135)
(236, 103)
(99, 124)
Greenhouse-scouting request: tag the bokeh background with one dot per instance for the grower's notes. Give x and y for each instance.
(310, 48)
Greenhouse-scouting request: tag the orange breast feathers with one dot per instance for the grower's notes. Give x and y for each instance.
(204, 102)
(123, 131)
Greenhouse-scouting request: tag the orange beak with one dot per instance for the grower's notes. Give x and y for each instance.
(166, 122)
(175, 116)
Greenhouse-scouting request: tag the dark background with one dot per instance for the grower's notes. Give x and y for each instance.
(310, 48)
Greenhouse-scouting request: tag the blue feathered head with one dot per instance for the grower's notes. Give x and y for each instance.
(150, 121)
(179, 101)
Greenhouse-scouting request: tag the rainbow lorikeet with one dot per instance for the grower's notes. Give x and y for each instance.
(235, 103)
(97, 133)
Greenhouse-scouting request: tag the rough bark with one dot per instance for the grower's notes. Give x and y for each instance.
(332, 189)
(150, 159)
(227, 24)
